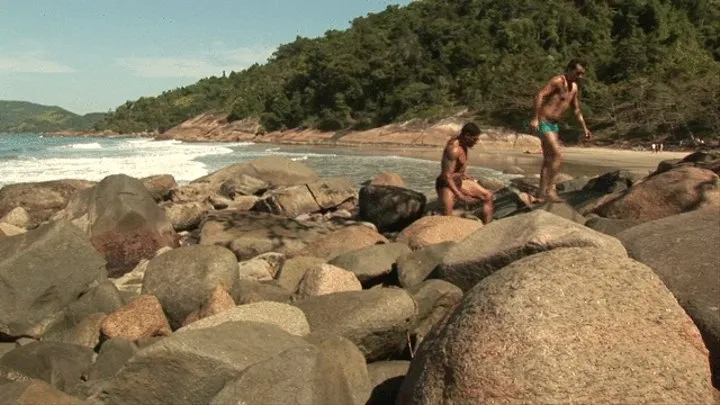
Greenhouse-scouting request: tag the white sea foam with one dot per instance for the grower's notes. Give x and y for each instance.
(136, 157)
(93, 145)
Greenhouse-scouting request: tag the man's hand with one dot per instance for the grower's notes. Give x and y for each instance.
(535, 124)
(588, 134)
(467, 198)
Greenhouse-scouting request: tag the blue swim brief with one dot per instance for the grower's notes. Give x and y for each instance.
(547, 126)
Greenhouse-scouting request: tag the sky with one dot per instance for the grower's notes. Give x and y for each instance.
(94, 55)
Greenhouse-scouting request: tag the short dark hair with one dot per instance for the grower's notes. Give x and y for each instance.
(470, 129)
(575, 62)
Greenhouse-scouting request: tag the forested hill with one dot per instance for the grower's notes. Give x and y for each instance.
(654, 69)
(23, 116)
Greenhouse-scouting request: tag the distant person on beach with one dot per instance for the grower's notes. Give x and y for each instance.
(449, 184)
(551, 102)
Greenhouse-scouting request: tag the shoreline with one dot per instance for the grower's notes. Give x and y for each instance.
(577, 160)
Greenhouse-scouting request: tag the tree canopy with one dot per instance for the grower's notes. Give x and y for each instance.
(653, 70)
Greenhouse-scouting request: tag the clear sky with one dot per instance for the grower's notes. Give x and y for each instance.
(93, 55)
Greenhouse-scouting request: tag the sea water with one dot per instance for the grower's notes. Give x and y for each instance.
(34, 158)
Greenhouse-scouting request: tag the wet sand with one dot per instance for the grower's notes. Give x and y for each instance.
(577, 161)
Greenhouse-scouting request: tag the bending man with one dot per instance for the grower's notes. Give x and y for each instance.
(551, 102)
(449, 185)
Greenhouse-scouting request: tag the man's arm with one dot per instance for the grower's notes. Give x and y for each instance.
(578, 113)
(553, 84)
(448, 172)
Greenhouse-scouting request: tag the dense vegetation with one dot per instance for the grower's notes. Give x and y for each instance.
(22, 116)
(653, 69)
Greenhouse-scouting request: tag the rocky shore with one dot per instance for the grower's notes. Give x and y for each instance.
(263, 283)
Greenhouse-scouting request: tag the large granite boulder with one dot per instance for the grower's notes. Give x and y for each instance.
(376, 320)
(683, 250)
(273, 170)
(571, 325)
(500, 243)
(123, 221)
(43, 271)
(433, 229)
(672, 192)
(390, 208)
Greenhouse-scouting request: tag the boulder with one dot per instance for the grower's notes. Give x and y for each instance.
(85, 333)
(34, 392)
(40, 200)
(610, 226)
(183, 279)
(561, 209)
(297, 376)
(435, 300)
(571, 325)
(141, 318)
(113, 354)
(490, 183)
(249, 291)
(159, 186)
(287, 317)
(276, 171)
(433, 229)
(507, 202)
(500, 243)
(387, 179)
(185, 216)
(673, 192)
(242, 185)
(249, 234)
(294, 270)
(308, 198)
(572, 184)
(683, 251)
(613, 182)
(10, 230)
(377, 320)
(415, 267)
(59, 364)
(219, 301)
(44, 271)
(386, 377)
(193, 367)
(347, 360)
(390, 208)
(342, 241)
(17, 217)
(262, 267)
(328, 279)
(123, 221)
(371, 264)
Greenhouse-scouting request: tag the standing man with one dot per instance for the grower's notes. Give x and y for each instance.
(551, 102)
(449, 184)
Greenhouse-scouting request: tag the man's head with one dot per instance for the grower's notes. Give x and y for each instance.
(575, 70)
(469, 134)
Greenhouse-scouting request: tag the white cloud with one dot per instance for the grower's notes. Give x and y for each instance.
(31, 63)
(207, 64)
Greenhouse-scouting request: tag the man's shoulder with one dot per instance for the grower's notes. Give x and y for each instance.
(452, 146)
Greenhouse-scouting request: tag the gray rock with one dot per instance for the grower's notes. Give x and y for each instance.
(415, 267)
(183, 279)
(373, 263)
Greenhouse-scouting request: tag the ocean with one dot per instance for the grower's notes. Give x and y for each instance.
(34, 158)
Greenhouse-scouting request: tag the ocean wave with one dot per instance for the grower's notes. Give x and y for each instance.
(93, 145)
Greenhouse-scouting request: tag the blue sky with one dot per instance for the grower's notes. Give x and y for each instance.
(93, 55)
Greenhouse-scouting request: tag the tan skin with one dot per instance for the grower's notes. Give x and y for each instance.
(559, 94)
(454, 166)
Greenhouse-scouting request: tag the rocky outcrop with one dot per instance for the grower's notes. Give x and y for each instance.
(40, 200)
(390, 208)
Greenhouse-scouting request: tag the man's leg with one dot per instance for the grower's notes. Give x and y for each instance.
(474, 189)
(446, 199)
(552, 159)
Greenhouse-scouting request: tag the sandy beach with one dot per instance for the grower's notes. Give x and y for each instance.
(577, 161)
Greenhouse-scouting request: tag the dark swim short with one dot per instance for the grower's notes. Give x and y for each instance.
(441, 183)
